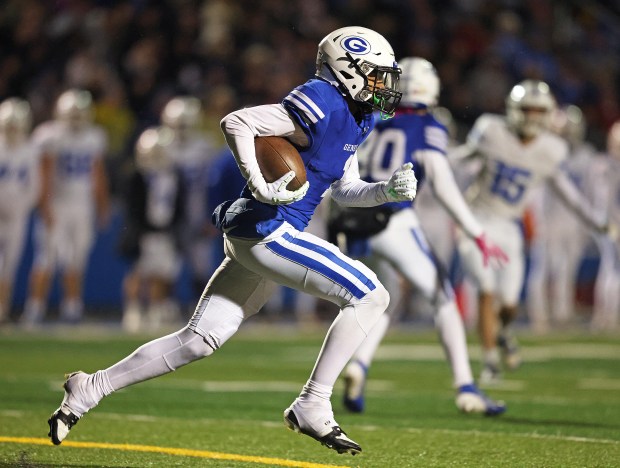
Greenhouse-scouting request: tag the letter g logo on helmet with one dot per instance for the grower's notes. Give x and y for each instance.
(356, 45)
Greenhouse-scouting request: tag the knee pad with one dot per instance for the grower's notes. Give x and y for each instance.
(370, 307)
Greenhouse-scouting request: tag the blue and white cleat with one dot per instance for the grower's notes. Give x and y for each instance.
(470, 399)
(318, 422)
(354, 386)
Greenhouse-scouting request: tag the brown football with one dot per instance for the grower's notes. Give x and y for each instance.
(276, 156)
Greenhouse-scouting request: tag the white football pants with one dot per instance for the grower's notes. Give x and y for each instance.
(403, 245)
(243, 283)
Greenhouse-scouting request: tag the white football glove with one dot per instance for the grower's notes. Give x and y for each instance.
(403, 185)
(276, 193)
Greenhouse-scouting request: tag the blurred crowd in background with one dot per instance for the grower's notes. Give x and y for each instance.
(135, 56)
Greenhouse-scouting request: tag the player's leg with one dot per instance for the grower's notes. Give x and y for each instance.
(74, 250)
(422, 269)
(484, 281)
(12, 235)
(605, 315)
(131, 321)
(537, 303)
(510, 283)
(314, 266)
(566, 254)
(161, 264)
(356, 371)
(232, 294)
(506, 235)
(46, 239)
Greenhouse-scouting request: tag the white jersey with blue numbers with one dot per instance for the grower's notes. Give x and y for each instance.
(333, 137)
(74, 152)
(510, 169)
(19, 178)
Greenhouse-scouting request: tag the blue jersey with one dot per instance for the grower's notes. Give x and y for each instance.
(396, 142)
(333, 136)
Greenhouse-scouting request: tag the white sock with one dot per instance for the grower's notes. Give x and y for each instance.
(454, 342)
(315, 392)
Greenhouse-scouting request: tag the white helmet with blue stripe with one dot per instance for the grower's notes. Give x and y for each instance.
(361, 63)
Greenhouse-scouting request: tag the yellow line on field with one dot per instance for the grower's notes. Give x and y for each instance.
(173, 451)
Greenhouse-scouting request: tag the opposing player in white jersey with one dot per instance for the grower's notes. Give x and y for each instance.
(327, 118)
(193, 153)
(74, 199)
(606, 310)
(19, 184)
(415, 137)
(560, 238)
(518, 154)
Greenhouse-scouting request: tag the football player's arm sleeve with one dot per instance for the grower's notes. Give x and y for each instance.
(350, 190)
(441, 179)
(242, 126)
(577, 203)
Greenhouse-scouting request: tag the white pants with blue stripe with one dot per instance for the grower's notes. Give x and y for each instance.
(251, 271)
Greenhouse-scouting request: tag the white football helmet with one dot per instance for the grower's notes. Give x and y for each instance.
(181, 113)
(529, 107)
(419, 83)
(15, 119)
(613, 140)
(75, 107)
(361, 63)
(152, 149)
(569, 122)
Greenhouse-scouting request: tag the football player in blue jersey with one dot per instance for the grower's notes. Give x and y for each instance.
(392, 237)
(326, 118)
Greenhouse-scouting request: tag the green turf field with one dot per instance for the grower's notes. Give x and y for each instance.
(226, 411)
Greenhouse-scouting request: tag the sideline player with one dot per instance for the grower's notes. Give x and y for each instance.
(518, 153)
(193, 153)
(606, 310)
(155, 198)
(415, 136)
(327, 118)
(19, 184)
(560, 239)
(74, 198)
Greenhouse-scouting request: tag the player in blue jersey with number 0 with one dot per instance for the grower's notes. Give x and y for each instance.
(326, 118)
(416, 137)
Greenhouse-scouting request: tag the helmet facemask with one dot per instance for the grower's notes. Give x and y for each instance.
(15, 120)
(360, 63)
(182, 114)
(529, 108)
(75, 108)
(380, 89)
(152, 150)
